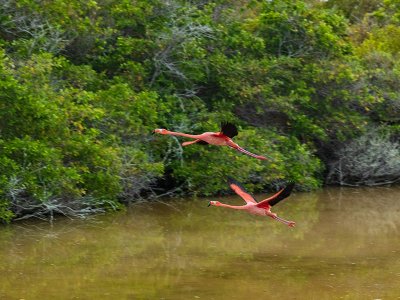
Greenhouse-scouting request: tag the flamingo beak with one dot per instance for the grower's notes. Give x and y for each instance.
(209, 204)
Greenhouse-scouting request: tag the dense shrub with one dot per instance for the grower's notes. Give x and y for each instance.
(371, 159)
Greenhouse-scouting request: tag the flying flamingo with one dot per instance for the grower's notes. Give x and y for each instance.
(262, 208)
(221, 138)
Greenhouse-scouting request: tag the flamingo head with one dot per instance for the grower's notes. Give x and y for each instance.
(214, 203)
(160, 131)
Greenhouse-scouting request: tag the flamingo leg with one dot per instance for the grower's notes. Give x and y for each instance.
(240, 149)
(288, 223)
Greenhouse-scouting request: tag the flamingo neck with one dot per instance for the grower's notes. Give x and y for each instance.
(231, 206)
(192, 136)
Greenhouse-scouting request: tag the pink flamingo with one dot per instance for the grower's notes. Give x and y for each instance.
(222, 138)
(262, 208)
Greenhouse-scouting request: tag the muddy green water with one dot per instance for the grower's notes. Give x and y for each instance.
(346, 246)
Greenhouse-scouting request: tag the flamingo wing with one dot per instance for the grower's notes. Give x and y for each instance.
(237, 187)
(229, 129)
(276, 198)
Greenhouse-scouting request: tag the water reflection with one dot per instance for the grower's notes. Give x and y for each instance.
(369, 211)
(345, 245)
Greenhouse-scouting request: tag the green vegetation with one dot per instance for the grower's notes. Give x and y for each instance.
(84, 83)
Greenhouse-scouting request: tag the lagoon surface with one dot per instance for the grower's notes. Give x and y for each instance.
(346, 245)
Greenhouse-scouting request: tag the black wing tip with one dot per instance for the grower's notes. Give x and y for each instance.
(229, 129)
(232, 180)
(225, 124)
(290, 185)
(286, 191)
(288, 188)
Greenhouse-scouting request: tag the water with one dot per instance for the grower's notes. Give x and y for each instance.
(346, 245)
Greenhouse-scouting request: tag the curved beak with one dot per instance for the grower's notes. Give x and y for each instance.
(209, 204)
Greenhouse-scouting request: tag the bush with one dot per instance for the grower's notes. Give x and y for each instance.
(371, 159)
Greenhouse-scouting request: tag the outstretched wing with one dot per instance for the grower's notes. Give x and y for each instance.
(229, 129)
(239, 189)
(279, 196)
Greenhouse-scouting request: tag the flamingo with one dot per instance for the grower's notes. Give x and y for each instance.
(221, 138)
(262, 208)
